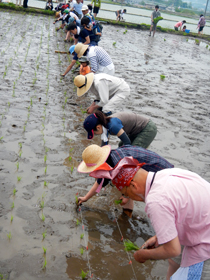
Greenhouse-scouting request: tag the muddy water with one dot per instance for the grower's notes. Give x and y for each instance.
(42, 140)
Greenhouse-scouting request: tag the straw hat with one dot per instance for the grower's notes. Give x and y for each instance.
(83, 83)
(80, 49)
(93, 156)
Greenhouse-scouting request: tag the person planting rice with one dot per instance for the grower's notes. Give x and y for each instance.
(74, 60)
(119, 14)
(178, 25)
(154, 15)
(100, 60)
(84, 66)
(110, 91)
(64, 18)
(97, 158)
(132, 129)
(177, 203)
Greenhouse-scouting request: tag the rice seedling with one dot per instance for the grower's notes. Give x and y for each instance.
(71, 150)
(45, 183)
(13, 205)
(14, 191)
(81, 251)
(45, 158)
(24, 128)
(8, 104)
(45, 170)
(43, 195)
(155, 20)
(164, 39)
(83, 275)
(9, 235)
(43, 217)
(46, 149)
(118, 201)
(29, 108)
(197, 41)
(65, 93)
(72, 169)
(28, 116)
(20, 145)
(162, 77)
(11, 219)
(207, 46)
(31, 102)
(66, 99)
(19, 178)
(78, 222)
(81, 236)
(44, 234)
(2, 277)
(42, 204)
(70, 158)
(1, 137)
(17, 164)
(83, 111)
(0, 123)
(130, 246)
(114, 43)
(76, 198)
(20, 153)
(44, 249)
(44, 264)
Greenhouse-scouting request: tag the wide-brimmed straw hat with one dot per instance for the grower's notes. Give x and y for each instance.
(83, 83)
(80, 49)
(93, 156)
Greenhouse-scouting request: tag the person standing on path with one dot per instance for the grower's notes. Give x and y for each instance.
(25, 4)
(154, 15)
(97, 6)
(178, 25)
(201, 24)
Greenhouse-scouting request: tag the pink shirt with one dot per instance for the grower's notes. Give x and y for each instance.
(178, 24)
(178, 203)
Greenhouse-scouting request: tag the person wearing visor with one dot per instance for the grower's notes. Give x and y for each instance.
(74, 60)
(177, 203)
(132, 129)
(110, 91)
(96, 158)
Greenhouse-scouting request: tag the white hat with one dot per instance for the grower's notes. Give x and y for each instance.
(84, 8)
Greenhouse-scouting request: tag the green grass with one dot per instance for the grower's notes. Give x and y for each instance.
(44, 264)
(9, 235)
(118, 201)
(130, 246)
(19, 178)
(44, 234)
(43, 217)
(83, 275)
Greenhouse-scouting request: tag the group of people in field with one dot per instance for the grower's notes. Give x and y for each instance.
(176, 200)
(179, 26)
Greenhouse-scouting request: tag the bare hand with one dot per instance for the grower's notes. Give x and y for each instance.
(81, 200)
(150, 243)
(124, 200)
(62, 75)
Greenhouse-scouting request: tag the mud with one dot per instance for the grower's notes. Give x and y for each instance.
(40, 110)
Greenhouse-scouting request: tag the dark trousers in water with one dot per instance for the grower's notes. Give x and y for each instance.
(25, 4)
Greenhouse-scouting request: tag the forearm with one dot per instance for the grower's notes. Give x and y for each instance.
(92, 191)
(70, 67)
(166, 251)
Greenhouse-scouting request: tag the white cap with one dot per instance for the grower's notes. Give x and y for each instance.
(84, 8)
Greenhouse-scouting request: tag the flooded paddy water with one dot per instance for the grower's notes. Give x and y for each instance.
(42, 141)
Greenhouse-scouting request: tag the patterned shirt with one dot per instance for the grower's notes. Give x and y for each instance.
(98, 57)
(153, 161)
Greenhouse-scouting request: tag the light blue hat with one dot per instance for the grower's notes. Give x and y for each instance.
(71, 49)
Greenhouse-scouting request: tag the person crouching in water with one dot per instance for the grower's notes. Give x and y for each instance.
(84, 67)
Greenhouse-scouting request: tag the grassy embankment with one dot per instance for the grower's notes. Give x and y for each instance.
(141, 26)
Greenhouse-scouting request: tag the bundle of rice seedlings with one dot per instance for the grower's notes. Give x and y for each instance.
(118, 201)
(130, 246)
(155, 20)
(162, 77)
(83, 275)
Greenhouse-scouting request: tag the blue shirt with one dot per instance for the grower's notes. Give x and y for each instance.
(114, 125)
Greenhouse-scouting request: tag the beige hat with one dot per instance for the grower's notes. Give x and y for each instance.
(93, 156)
(83, 83)
(85, 8)
(80, 49)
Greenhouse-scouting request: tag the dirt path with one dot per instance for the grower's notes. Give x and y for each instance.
(42, 141)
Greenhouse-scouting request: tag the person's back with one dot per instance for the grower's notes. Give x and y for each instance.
(180, 200)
